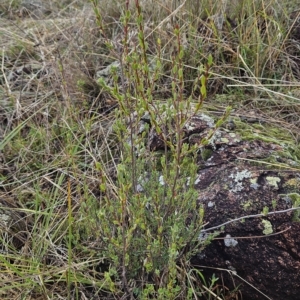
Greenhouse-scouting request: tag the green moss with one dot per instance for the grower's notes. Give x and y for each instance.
(206, 153)
(295, 198)
(266, 133)
(287, 154)
(247, 204)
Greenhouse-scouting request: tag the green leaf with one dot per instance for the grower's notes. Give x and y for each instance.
(209, 60)
(203, 91)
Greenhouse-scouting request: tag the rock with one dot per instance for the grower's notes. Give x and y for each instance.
(259, 255)
(246, 170)
(13, 225)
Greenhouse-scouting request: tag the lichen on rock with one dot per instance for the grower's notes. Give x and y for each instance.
(247, 177)
(268, 229)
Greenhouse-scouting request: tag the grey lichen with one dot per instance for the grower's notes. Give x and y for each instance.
(253, 183)
(192, 124)
(238, 180)
(230, 242)
(4, 219)
(210, 121)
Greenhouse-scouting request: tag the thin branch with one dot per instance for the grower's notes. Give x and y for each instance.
(251, 216)
(254, 236)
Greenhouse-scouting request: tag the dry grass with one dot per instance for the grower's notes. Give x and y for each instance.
(57, 122)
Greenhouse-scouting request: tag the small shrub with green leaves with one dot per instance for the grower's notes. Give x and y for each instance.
(149, 228)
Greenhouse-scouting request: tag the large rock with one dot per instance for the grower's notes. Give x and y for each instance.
(249, 169)
(240, 177)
